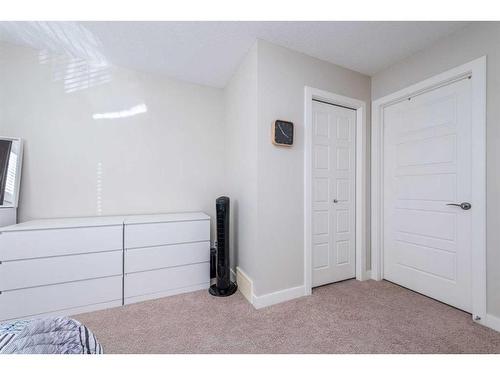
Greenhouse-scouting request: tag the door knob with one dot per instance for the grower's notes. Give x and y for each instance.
(463, 205)
(335, 201)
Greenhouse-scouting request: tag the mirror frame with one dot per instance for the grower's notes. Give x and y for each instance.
(18, 173)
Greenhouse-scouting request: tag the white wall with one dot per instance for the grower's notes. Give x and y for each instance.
(170, 158)
(479, 39)
(266, 182)
(241, 161)
(282, 75)
(193, 144)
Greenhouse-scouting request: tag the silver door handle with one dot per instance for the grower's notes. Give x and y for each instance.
(463, 205)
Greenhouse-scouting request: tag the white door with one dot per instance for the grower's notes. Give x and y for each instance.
(333, 193)
(427, 166)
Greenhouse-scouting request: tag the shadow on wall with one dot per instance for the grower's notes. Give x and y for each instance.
(234, 233)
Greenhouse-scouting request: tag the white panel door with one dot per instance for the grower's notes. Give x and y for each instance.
(427, 165)
(333, 193)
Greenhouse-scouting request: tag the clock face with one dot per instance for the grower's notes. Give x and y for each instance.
(283, 133)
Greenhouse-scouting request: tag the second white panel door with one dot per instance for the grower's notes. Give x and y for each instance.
(427, 173)
(333, 193)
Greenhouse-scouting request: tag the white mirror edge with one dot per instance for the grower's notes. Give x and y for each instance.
(18, 172)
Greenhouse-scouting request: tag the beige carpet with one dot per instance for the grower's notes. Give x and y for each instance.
(347, 317)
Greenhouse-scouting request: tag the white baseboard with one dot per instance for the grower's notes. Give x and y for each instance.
(367, 275)
(278, 297)
(492, 322)
(245, 284)
(233, 275)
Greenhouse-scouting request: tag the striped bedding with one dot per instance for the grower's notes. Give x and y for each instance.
(58, 335)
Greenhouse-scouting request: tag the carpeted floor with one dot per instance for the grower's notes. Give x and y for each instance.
(347, 317)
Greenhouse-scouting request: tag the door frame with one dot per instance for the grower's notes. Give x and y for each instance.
(360, 179)
(477, 70)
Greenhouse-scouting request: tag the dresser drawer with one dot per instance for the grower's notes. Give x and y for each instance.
(162, 280)
(52, 298)
(150, 258)
(53, 242)
(43, 271)
(156, 234)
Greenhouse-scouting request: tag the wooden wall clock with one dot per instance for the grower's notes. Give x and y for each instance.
(282, 134)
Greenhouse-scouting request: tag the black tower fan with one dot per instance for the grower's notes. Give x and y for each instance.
(223, 286)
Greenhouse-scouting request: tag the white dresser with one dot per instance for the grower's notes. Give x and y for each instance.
(74, 265)
(165, 255)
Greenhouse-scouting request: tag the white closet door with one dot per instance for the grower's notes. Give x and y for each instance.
(333, 193)
(427, 165)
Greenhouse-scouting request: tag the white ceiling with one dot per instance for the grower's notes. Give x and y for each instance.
(208, 53)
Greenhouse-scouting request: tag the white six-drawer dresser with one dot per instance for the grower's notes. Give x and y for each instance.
(75, 265)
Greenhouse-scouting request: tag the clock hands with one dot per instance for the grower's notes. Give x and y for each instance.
(279, 126)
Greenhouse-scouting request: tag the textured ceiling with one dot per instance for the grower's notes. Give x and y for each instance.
(208, 53)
